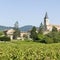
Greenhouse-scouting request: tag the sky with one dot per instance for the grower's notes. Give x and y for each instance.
(28, 12)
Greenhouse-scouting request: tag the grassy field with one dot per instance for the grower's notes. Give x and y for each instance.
(22, 50)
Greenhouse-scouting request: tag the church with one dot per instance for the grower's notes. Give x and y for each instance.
(48, 26)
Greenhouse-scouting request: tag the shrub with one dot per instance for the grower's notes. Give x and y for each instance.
(47, 40)
(40, 38)
(4, 38)
(55, 36)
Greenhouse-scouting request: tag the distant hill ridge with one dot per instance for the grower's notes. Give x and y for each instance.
(23, 29)
(26, 28)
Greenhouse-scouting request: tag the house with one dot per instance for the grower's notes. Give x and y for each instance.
(25, 35)
(10, 33)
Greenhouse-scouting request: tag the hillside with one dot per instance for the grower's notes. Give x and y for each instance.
(4, 28)
(24, 28)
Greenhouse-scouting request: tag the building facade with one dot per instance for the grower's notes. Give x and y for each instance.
(10, 33)
(48, 26)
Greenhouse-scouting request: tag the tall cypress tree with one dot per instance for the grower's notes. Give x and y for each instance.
(17, 30)
(40, 31)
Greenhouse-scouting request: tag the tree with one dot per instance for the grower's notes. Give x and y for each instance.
(40, 31)
(55, 36)
(54, 29)
(17, 30)
(47, 40)
(33, 33)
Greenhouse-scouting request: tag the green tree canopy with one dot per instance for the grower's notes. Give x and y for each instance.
(54, 29)
(33, 33)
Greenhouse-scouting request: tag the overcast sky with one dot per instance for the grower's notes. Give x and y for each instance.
(28, 12)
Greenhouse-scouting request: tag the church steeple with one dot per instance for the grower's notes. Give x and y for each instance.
(46, 21)
(46, 16)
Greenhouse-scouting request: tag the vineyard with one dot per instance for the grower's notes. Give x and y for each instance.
(22, 50)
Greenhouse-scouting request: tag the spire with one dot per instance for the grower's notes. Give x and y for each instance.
(46, 16)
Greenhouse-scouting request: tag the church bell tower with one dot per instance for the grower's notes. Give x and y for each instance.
(46, 21)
